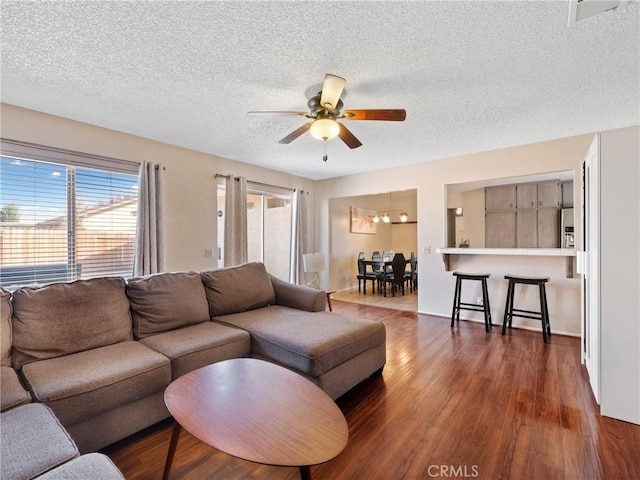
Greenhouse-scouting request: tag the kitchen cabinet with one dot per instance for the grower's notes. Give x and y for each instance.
(533, 224)
(548, 228)
(537, 228)
(500, 229)
(567, 194)
(526, 195)
(497, 199)
(500, 216)
(526, 231)
(548, 194)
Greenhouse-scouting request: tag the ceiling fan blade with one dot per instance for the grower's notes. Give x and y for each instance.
(390, 115)
(331, 90)
(296, 133)
(349, 138)
(274, 114)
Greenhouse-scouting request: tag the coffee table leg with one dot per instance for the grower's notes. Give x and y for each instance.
(175, 435)
(305, 472)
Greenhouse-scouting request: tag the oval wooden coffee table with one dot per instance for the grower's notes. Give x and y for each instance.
(257, 411)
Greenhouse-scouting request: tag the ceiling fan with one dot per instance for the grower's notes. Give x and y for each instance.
(326, 108)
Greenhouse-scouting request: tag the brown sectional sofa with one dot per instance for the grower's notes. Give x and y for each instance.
(101, 352)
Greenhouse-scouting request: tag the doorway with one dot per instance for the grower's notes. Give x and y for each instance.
(346, 242)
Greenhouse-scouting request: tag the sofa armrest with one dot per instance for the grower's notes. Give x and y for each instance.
(299, 296)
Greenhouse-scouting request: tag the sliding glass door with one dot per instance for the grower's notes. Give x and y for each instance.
(268, 228)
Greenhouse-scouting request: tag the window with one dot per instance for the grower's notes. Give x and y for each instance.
(62, 219)
(268, 227)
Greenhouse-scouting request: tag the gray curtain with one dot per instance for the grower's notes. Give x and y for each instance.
(299, 236)
(149, 250)
(235, 221)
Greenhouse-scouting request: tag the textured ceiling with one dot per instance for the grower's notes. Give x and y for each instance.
(473, 76)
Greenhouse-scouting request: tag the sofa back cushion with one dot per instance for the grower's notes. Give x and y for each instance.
(166, 301)
(64, 318)
(5, 328)
(238, 289)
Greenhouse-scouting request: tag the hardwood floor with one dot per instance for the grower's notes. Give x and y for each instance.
(408, 301)
(451, 403)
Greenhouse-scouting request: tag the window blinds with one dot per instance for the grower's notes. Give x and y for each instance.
(62, 222)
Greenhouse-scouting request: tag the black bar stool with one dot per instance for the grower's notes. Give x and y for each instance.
(460, 305)
(542, 315)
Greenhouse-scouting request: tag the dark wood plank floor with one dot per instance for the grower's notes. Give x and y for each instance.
(451, 403)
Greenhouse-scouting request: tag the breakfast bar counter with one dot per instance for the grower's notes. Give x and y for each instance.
(568, 253)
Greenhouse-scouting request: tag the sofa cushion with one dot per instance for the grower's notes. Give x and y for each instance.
(33, 441)
(5, 328)
(94, 466)
(92, 382)
(238, 289)
(199, 345)
(13, 393)
(65, 318)
(312, 343)
(166, 301)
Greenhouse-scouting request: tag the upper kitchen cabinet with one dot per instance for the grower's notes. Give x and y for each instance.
(567, 194)
(498, 199)
(548, 194)
(526, 195)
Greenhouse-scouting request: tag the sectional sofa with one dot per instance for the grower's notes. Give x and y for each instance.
(100, 352)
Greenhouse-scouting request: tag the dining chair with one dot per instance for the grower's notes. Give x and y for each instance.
(376, 267)
(395, 277)
(387, 256)
(411, 276)
(363, 275)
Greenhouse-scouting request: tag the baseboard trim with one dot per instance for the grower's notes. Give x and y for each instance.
(517, 327)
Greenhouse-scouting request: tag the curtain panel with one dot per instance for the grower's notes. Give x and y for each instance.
(235, 221)
(149, 252)
(299, 236)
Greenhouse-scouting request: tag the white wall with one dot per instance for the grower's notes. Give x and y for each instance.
(190, 186)
(430, 179)
(620, 274)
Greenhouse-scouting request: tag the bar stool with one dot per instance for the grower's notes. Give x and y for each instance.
(460, 305)
(542, 315)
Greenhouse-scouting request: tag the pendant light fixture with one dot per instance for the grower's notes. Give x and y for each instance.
(386, 215)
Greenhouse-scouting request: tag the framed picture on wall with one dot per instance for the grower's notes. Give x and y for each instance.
(362, 221)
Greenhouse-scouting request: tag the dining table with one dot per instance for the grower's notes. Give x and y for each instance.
(385, 266)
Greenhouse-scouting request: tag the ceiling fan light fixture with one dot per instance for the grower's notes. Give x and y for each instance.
(325, 129)
(404, 216)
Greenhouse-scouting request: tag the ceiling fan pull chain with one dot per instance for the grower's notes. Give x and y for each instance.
(324, 150)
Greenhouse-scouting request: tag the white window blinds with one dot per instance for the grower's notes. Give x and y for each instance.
(62, 222)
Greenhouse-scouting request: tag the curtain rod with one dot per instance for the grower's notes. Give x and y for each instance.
(219, 175)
